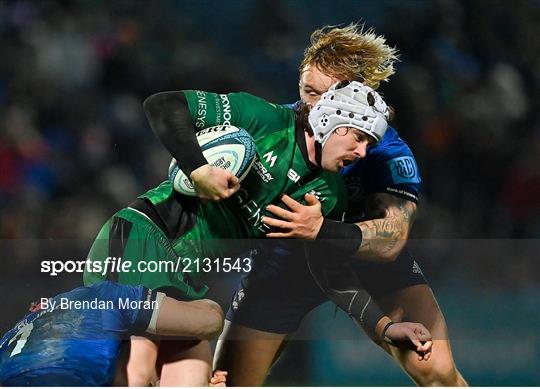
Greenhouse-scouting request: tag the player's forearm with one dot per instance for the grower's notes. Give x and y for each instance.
(346, 292)
(381, 326)
(169, 117)
(371, 318)
(373, 240)
(382, 239)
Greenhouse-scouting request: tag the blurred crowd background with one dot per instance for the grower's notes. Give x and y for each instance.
(75, 145)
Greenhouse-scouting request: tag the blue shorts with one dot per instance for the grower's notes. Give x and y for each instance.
(280, 290)
(46, 378)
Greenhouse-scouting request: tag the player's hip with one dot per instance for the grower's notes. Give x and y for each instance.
(131, 249)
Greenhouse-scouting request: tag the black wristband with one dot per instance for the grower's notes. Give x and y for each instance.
(345, 236)
(370, 315)
(383, 335)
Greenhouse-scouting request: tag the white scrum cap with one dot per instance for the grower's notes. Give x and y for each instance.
(349, 104)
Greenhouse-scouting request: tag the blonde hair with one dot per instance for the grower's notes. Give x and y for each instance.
(351, 53)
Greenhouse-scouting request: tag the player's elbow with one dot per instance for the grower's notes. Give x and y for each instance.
(214, 319)
(152, 104)
(156, 105)
(384, 252)
(390, 254)
(161, 108)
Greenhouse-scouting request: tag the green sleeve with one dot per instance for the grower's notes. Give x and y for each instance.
(256, 115)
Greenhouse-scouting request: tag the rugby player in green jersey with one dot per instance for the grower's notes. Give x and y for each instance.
(289, 161)
(164, 225)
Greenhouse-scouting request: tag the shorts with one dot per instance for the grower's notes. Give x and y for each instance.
(280, 290)
(47, 378)
(132, 236)
(383, 278)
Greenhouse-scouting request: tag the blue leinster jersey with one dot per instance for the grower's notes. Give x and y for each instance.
(389, 167)
(74, 338)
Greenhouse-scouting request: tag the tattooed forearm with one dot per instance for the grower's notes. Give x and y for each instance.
(380, 236)
(384, 237)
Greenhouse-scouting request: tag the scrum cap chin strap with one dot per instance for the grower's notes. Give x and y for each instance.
(318, 153)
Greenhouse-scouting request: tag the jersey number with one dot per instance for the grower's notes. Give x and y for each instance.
(22, 334)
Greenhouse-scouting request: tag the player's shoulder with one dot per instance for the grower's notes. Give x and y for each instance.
(80, 293)
(391, 160)
(242, 109)
(251, 98)
(261, 104)
(391, 146)
(259, 116)
(237, 97)
(109, 290)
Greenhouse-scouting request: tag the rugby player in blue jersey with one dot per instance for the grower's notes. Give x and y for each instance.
(383, 194)
(74, 339)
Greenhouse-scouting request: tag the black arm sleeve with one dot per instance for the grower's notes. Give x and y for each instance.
(346, 237)
(343, 288)
(170, 119)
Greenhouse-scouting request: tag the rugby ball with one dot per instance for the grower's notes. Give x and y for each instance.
(227, 147)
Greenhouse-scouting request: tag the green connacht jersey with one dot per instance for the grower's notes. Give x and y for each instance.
(280, 167)
(164, 225)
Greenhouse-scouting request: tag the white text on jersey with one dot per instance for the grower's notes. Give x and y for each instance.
(270, 158)
(293, 176)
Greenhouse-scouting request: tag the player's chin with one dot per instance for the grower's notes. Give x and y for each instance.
(334, 167)
(348, 161)
(341, 163)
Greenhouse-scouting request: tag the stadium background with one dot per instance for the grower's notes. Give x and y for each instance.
(75, 146)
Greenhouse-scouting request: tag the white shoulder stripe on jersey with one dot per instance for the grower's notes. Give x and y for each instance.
(152, 327)
(140, 213)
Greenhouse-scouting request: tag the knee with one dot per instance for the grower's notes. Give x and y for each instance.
(141, 375)
(141, 365)
(215, 319)
(436, 372)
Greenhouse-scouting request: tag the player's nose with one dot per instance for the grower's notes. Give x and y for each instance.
(361, 149)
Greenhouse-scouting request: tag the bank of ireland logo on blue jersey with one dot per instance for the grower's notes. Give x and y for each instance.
(404, 170)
